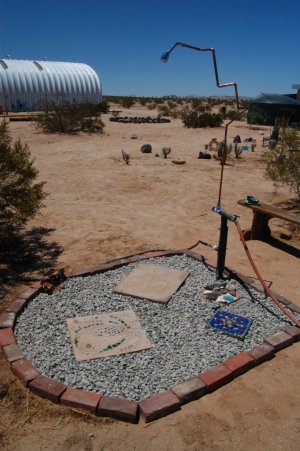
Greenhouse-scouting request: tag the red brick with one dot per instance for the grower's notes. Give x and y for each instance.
(101, 268)
(81, 399)
(119, 408)
(262, 353)
(7, 319)
(47, 388)
(294, 332)
(12, 352)
(194, 254)
(244, 279)
(80, 273)
(210, 262)
(158, 406)
(294, 307)
(117, 263)
(281, 299)
(280, 340)
(61, 286)
(216, 377)
(36, 285)
(239, 364)
(154, 254)
(29, 294)
(135, 258)
(190, 389)
(24, 371)
(7, 337)
(17, 305)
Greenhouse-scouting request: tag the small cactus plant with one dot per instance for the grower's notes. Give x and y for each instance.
(237, 150)
(166, 151)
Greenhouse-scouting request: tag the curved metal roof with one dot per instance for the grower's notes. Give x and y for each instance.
(31, 83)
(275, 99)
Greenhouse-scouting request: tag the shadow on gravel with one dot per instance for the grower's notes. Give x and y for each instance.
(26, 257)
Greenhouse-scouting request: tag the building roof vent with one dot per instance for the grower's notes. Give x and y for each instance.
(38, 65)
(3, 64)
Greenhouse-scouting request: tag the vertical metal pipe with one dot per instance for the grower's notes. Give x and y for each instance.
(222, 248)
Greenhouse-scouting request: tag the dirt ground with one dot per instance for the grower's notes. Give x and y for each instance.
(98, 209)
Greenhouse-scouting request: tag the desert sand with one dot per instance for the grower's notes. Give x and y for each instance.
(99, 209)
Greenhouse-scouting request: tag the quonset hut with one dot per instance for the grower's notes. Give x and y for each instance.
(27, 85)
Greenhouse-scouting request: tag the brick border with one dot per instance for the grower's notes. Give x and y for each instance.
(155, 406)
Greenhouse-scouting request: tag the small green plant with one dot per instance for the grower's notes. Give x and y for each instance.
(257, 116)
(237, 150)
(103, 107)
(283, 162)
(70, 118)
(21, 197)
(234, 115)
(193, 119)
(127, 102)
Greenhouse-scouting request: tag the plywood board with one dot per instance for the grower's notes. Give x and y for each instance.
(106, 334)
(152, 282)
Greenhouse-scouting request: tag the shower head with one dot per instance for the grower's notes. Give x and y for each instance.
(165, 56)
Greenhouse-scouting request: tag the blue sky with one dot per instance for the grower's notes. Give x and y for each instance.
(256, 42)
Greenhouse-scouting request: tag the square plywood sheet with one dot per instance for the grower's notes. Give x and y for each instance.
(152, 282)
(106, 334)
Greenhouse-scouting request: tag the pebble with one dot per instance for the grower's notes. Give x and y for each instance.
(183, 346)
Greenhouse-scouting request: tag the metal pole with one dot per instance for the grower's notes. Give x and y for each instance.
(224, 216)
(222, 247)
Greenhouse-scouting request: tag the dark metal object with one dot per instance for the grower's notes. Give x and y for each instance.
(164, 59)
(224, 216)
(166, 54)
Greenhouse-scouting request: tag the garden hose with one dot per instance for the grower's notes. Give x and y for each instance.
(265, 287)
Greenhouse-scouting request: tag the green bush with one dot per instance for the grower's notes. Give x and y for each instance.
(256, 116)
(127, 102)
(103, 107)
(193, 119)
(70, 118)
(20, 197)
(234, 115)
(283, 162)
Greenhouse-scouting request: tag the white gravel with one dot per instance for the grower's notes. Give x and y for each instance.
(183, 346)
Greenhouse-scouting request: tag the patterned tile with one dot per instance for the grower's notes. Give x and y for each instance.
(230, 324)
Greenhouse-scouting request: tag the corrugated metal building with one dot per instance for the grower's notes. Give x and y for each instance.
(26, 85)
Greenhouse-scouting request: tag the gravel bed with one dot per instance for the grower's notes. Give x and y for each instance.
(183, 346)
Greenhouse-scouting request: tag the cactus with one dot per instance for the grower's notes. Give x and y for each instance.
(125, 157)
(237, 150)
(166, 151)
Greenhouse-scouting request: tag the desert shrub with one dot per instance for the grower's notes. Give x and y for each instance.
(164, 110)
(151, 106)
(193, 119)
(283, 162)
(103, 107)
(172, 104)
(257, 116)
(20, 196)
(197, 104)
(167, 111)
(127, 102)
(70, 118)
(233, 115)
(223, 111)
